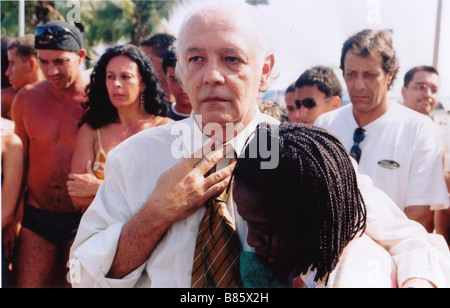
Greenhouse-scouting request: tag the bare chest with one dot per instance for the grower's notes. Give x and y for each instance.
(49, 124)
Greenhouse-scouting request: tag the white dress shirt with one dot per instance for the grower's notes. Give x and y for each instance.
(132, 170)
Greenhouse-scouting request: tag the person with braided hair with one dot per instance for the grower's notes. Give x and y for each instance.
(306, 218)
(143, 226)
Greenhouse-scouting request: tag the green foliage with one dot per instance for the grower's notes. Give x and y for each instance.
(105, 21)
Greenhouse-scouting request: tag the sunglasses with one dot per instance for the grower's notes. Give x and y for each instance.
(53, 30)
(309, 102)
(358, 136)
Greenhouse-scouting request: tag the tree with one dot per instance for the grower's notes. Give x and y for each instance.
(36, 13)
(104, 21)
(131, 20)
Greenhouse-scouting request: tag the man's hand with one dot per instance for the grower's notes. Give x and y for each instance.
(183, 189)
(179, 192)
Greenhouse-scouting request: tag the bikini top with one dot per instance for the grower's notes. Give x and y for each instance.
(100, 160)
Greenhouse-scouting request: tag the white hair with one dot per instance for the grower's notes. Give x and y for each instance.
(230, 7)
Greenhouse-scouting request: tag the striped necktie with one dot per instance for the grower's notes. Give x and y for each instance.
(217, 250)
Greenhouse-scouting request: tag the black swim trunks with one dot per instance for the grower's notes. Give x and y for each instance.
(54, 227)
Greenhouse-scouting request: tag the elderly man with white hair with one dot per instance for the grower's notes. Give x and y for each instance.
(141, 229)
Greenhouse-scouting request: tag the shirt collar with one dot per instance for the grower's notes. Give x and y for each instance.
(198, 139)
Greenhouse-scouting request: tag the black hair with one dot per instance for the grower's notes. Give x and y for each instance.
(290, 88)
(169, 59)
(6, 41)
(324, 78)
(423, 68)
(99, 109)
(159, 43)
(25, 46)
(312, 195)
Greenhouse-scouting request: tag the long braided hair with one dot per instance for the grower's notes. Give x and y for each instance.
(312, 196)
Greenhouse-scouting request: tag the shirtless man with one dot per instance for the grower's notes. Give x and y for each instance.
(23, 67)
(47, 115)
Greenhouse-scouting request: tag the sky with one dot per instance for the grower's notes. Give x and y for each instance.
(309, 33)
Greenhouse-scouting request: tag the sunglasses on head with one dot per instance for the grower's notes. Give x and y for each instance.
(358, 136)
(309, 102)
(53, 30)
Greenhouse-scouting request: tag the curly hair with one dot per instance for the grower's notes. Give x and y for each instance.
(99, 109)
(312, 196)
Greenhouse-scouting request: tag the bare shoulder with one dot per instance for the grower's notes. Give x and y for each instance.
(87, 132)
(10, 140)
(32, 93)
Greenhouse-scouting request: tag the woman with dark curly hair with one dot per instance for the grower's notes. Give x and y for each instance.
(306, 218)
(123, 99)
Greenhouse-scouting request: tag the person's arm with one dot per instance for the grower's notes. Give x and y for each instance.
(82, 184)
(8, 95)
(179, 192)
(12, 166)
(116, 237)
(426, 187)
(420, 256)
(442, 224)
(18, 112)
(422, 215)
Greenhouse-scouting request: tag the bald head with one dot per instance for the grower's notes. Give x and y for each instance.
(222, 16)
(239, 12)
(223, 61)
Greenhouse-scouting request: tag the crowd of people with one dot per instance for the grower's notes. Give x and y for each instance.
(90, 180)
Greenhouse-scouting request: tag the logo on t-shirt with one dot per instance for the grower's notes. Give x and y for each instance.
(388, 164)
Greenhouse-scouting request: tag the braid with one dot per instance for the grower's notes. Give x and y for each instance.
(313, 195)
(340, 210)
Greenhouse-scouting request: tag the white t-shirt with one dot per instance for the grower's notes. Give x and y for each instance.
(401, 152)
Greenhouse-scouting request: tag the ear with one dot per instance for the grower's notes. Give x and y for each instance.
(336, 102)
(143, 87)
(390, 78)
(403, 91)
(33, 64)
(82, 55)
(267, 68)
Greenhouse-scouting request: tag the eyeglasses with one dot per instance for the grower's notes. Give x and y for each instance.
(358, 137)
(53, 30)
(309, 102)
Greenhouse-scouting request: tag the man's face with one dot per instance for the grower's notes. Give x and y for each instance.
(422, 92)
(176, 89)
(289, 98)
(366, 81)
(61, 68)
(309, 115)
(19, 70)
(222, 69)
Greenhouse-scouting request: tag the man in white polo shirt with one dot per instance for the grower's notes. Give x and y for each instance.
(397, 147)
